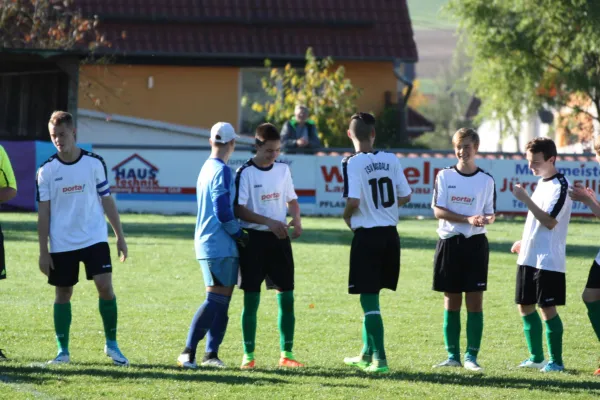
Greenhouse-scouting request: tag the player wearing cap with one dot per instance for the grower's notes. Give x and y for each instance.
(541, 264)
(73, 195)
(215, 238)
(375, 187)
(464, 201)
(591, 293)
(265, 192)
(8, 190)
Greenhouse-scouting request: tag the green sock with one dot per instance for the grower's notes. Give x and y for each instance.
(554, 334)
(373, 324)
(532, 327)
(594, 314)
(474, 333)
(62, 324)
(286, 320)
(367, 351)
(452, 334)
(108, 311)
(251, 302)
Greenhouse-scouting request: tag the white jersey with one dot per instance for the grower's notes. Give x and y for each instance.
(74, 190)
(464, 194)
(377, 180)
(541, 247)
(265, 191)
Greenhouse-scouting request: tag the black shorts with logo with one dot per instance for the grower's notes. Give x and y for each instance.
(593, 281)
(96, 259)
(374, 260)
(266, 257)
(542, 287)
(460, 264)
(2, 258)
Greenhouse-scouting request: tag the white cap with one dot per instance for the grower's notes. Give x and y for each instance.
(222, 132)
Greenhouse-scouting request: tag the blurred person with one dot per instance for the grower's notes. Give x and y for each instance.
(299, 132)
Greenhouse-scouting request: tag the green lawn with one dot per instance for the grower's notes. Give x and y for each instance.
(160, 287)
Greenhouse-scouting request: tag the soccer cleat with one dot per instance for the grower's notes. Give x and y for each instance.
(553, 367)
(359, 362)
(214, 363)
(375, 369)
(289, 363)
(61, 358)
(116, 355)
(3, 356)
(187, 361)
(248, 364)
(530, 364)
(471, 365)
(597, 373)
(448, 363)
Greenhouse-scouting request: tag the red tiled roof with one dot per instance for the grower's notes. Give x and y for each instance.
(343, 29)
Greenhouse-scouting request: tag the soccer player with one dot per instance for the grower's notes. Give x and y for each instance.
(464, 201)
(541, 264)
(8, 190)
(73, 195)
(265, 192)
(591, 293)
(217, 232)
(375, 187)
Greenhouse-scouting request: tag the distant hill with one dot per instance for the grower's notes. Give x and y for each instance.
(426, 14)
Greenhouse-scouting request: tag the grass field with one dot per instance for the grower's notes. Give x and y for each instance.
(160, 287)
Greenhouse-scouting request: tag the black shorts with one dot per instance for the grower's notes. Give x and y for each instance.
(460, 264)
(541, 287)
(96, 259)
(2, 259)
(374, 260)
(266, 257)
(593, 281)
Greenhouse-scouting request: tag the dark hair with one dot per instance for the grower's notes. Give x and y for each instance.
(542, 145)
(266, 132)
(361, 126)
(465, 133)
(61, 117)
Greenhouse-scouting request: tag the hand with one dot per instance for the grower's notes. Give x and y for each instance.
(302, 142)
(581, 193)
(516, 247)
(243, 240)
(520, 193)
(46, 263)
(278, 228)
(297, 225)
(122, 249)
(477, 220)
(348, 222)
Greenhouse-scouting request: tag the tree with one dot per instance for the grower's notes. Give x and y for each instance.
(532, 53)
(327, 93)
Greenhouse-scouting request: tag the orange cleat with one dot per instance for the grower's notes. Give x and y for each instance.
(289, 363)
(248, 365)
(597, 373)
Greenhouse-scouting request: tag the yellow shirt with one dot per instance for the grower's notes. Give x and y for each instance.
(7, 176)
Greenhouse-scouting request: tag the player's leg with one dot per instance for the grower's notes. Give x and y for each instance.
(474, 302)
(2, 276)
(107, 306)
(63, 277)
(591, 298)
(552, 293)
(526, 298)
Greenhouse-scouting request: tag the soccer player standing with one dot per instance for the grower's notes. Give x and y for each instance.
(464, 201)
(541, 264)
(375, 187)
(217, 232)
(265, 192)
(591, 293)
(8, 190)
(73, 195)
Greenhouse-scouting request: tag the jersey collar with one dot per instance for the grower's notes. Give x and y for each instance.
(81, 153)
(557, 175)
(270, 167)
(467, 175)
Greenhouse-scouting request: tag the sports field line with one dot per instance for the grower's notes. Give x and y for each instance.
(23, 388)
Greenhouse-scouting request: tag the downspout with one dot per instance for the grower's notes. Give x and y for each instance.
(402, 102)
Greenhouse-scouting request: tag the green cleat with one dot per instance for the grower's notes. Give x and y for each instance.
(377, 367)
(360, 362)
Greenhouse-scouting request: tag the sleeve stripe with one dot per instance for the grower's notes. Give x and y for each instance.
(435, 190)
(104, 192)
(345, 175)
(238, 176)
(561, 199)
(98, 186)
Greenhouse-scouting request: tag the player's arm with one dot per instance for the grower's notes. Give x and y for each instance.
(221, 200)
(10, 191)
(587, 196)
(293, 206)
(489, 210)
(352, 190)
(548, 219)
(43, 198)
(403, 189)
(440, 210)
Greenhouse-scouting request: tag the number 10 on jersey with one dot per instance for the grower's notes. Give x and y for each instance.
(384, 189)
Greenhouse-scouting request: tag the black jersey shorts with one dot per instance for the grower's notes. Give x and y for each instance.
(95, 258)
(538, 286)
(269, 258)
(374, 260)
(460, 264)
(593, 281)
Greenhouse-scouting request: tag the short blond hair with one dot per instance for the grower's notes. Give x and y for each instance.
(61, 118)
(465, 133)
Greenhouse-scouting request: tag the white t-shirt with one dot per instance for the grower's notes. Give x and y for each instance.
(464, 194)
(74, 190)
(377, 180)
(265, 191)
(541, 247)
